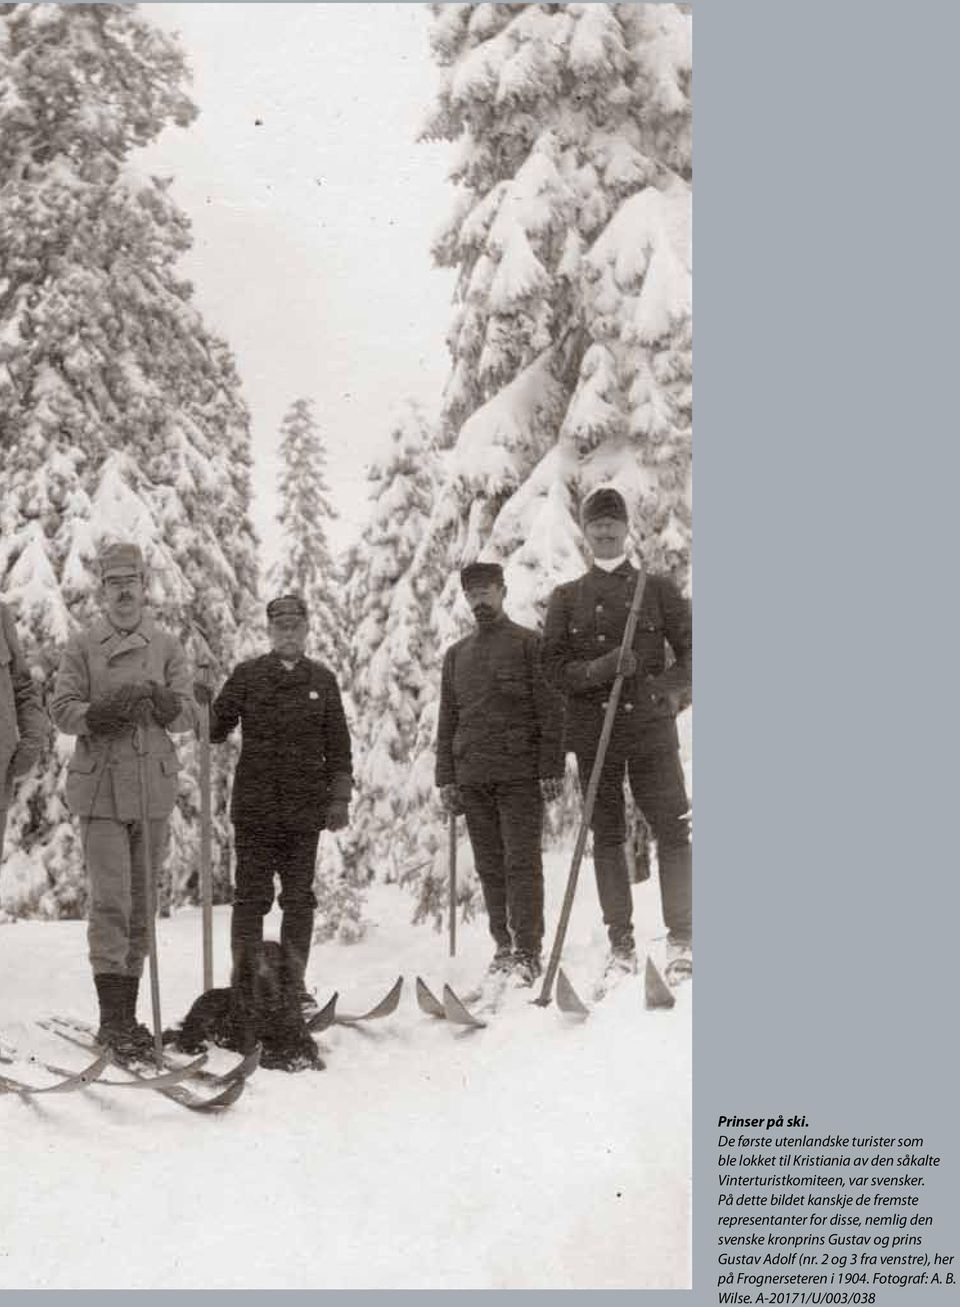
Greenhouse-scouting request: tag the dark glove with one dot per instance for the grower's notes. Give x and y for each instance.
(23, 760)
(166, 703)
(111, 712)
(106, 717)
(451, 800)
(604, 669)
(338, 815)
(203, 691)
(657, 695)
(142, 711)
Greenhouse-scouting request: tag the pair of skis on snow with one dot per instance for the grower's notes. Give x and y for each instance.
(657, 994)
(456, 1010)
(223, 1089)
(320, 1018)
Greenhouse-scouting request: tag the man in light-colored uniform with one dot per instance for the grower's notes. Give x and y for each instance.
(122, 684)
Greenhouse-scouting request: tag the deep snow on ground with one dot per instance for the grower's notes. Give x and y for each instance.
(537, 1153)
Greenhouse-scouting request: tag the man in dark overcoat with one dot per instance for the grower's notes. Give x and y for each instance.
(499, 755)
(583, 631)
(293, 780)
(23, 724)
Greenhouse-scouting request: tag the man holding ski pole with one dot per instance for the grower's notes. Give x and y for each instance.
(122, 684)
(583, 632)
(499, 755)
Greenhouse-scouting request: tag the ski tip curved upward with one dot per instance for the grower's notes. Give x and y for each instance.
(656, 991)
(568, 1000)
(390, 1002)
(230, 1093)
(454, 1010)
(427, 1001)
(387, 1005)
(324, 1017)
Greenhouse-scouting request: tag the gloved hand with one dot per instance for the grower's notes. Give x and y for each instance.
(451, 800)
(604, 669)
(657, 694)
(551, 787)
(142, 711)
(203, 691)
(338, 815)
(165, 703)
(24, 757)
(112, 712)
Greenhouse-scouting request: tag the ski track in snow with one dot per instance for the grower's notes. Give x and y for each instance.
(537, 1153)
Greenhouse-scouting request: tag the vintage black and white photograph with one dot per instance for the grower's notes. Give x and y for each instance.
(346, 911)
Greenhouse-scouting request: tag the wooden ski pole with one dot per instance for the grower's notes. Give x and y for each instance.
(452, 862)
(590, 799)
(206, 878)
(150, 894)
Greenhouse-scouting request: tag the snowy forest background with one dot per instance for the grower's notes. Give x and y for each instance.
(122, 411)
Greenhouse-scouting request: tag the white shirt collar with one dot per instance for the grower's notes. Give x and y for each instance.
(609, 564)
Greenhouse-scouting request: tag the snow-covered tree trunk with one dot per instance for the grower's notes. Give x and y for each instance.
(120, 413)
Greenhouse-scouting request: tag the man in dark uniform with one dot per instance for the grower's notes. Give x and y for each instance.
(582, 635)
(23, 725)
(499, 755)
(294, 779)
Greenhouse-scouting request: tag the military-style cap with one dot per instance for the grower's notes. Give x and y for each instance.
(286, 606)
(605, 501)
(481, 574)
(120, 559)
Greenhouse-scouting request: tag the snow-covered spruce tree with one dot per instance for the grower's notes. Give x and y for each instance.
(571, 337)
(388, 620)
(306, 565)
(120, 413)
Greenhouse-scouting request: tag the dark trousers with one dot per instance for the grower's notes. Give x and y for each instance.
(505, 823)
(651, 761)
(263, 853)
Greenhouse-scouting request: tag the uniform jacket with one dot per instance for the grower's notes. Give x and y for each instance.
(103, 776)
(23, 726)
(296, 754)
(499, 719)
(586, 619)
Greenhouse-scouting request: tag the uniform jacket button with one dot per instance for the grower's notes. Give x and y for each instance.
(628, 707)
(601, 638)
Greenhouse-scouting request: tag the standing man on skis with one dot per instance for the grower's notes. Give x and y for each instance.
(499, 755)
(294, 779)
(582, 635)
(122, 684)
(23, 726)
